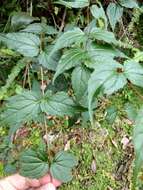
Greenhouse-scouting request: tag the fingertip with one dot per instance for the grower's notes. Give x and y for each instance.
(46, 179)
(34, 182)
(48, 186)
(56, 182)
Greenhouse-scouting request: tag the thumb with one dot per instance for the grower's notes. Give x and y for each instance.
(48, 186)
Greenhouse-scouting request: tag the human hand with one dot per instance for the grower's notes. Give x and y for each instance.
(17, 182)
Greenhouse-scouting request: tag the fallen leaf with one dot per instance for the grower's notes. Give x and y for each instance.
(93, 166)
(50, 137)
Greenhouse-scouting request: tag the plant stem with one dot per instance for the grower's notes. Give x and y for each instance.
(46, 130)
(42, 80)
(29, 81)
(63, 21)
(31, 8)
(45, 119)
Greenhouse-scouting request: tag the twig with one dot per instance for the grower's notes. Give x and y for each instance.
(25, 74)
(125, 31)
(63, 20)
(56, 25)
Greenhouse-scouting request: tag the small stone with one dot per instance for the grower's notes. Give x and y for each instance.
(125, 141)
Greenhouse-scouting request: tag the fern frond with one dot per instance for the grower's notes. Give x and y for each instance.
(11, 77)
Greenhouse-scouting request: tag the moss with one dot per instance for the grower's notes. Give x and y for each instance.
(1, 170)
(139, 35)
(101, 143)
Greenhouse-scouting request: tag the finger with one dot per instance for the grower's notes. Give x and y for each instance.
(33, 182)
(45, 180)
(48, 186)
(56, 182)
(17, 181)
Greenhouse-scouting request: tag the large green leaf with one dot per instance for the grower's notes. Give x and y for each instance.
(49, 62)
(113, 76)
(103, 35)
(129, 3)
(33, 164)
(38, 28)
(62, 166)
(21, 108)
(134, 72)
(99, 14)
(111, 114)
(28, 105)
(114, 12)
(25, 43)
(131, 111)
(70, 59)
(138, 143)
(80, 77)
(68, 38)
(109, 77)
(59, 104)
(102, 53)
(12, 76)
(21, 19)
(74, 3)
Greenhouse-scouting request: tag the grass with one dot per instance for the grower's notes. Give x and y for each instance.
(99, 146)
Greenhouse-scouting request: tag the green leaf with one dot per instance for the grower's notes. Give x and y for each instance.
(129, 3)
(33, 164)
(25, 43)
(49, 62)
(80, 77)
(103, 35)
(138, 144)
(9, 169)
(114, 12)
(38, 28)
(138, 56)
(21, 108)
(68, 38)
(62, 166)
(99, 14)
(109, 77)
(62, 84)
(70, 59)
(111, 114)
(113, 76)
(134, 72)
(102, 53)
(74, 3)
(21, 19)
(28, 105)
(59, 104)
(131, 111)
(13, 74)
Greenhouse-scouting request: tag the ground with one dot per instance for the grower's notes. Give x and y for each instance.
(105, 160)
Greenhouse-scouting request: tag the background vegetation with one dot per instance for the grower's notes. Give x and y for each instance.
(54, 53)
